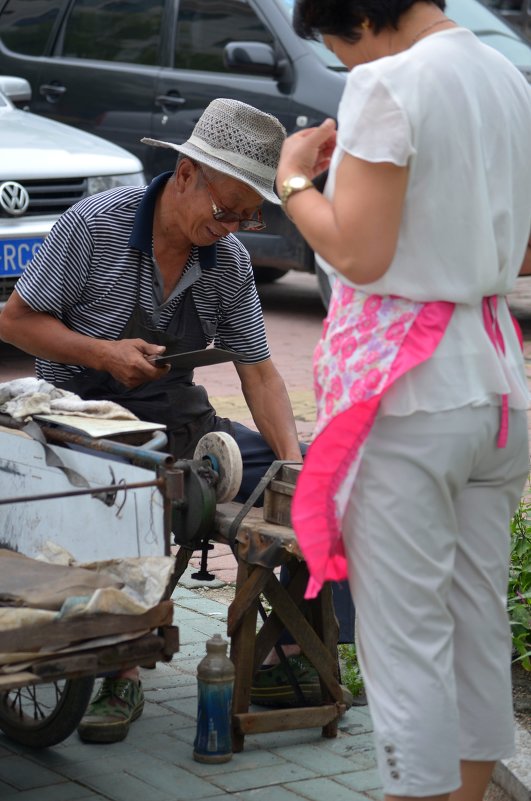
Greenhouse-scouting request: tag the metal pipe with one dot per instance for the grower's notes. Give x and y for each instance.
(158, 482)
(141, 457)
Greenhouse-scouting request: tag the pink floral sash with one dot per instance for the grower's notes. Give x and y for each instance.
(368, 342)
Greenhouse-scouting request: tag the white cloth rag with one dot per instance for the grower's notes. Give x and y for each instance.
(24, 397)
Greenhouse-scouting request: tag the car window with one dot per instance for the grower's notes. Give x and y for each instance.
(25, 25)
(470, 14)
(204, 28)
(325, 55)
(110, 30)
(491, 30)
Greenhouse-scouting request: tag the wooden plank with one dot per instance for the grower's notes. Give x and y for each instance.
(290, 473)
(245, 596)
(12, 681)
(120, 656)
(303, 633)
(273, 626)
(286, 719)
(254, 525)
(108, 657)
(327, 628)
(242, 656)
(59, 633)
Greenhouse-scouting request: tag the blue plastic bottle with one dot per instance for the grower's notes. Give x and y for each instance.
(215, 683)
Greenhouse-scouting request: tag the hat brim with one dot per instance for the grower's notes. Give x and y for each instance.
(195, 153)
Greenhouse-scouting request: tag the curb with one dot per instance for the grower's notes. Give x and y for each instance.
(514, 775)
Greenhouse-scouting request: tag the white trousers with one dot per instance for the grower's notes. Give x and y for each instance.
(427, 538)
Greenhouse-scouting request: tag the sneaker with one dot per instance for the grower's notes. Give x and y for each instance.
(272, 687)
(117, 703)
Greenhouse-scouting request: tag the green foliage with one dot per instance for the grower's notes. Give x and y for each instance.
(350, 670)
(519, 594)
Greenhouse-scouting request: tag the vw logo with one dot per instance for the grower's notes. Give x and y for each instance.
(14, 199)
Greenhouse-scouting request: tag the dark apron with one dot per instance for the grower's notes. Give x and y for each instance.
(173, 399)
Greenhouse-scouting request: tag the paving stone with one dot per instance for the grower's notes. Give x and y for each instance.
(317, 759)
(205, 628)
(161, 695)
(196, 650)
(123, 787)
(59, 792)
(319, 789)
(271, 794)
(205, 606)
(187, 580)
(155, 680)
(167, 778)
(154, 710)
(283, 739)
(184, 706)
(361, 780)
(262, 777)
(17, 773)
(98, 765)
(375, 795)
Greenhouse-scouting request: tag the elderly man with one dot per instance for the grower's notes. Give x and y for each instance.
(134, 271)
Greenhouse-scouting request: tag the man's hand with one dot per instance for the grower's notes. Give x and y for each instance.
(128, 361)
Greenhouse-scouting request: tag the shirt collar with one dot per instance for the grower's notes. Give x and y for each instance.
(142, 234)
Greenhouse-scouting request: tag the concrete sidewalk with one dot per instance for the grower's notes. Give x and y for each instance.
(155, 762)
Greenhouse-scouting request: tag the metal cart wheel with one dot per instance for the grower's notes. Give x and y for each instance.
(41, 715)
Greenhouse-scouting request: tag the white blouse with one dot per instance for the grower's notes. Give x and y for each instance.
(467, 213)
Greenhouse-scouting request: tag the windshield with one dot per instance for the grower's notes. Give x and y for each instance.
(470, 14)
(491, 29)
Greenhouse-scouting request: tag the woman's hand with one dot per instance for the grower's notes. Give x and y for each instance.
(307, 152)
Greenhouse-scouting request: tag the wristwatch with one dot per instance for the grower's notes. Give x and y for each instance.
(295, 183)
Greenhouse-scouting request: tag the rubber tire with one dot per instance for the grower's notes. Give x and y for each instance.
(55, 727)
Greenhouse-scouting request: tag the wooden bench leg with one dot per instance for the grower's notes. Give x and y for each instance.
(243, 613)
(327, 629)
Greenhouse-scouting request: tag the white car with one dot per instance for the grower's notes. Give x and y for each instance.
(45, 167)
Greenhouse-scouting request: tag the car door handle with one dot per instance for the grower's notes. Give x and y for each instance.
(52, 91)
(169, 100)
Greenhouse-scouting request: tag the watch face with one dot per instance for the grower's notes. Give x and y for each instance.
(297, 182)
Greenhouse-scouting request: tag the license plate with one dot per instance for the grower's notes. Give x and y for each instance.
(16, 253)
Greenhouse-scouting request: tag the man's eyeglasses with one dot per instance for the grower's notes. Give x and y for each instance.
(222, 215)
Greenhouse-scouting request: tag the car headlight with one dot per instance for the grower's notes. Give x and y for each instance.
(101, 183)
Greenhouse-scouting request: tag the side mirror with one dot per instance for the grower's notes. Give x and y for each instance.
(253, 58)
(17, 90)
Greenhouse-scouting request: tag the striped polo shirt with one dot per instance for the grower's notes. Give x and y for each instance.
(98, 259)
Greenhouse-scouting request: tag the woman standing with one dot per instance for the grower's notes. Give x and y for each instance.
(421, 453)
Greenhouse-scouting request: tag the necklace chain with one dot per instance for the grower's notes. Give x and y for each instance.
(428, 28)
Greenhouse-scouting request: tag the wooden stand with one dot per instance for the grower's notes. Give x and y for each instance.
(260, 547)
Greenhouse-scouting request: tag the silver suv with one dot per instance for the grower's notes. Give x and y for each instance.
(45, 167)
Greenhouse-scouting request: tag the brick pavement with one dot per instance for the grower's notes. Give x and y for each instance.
(155, 762)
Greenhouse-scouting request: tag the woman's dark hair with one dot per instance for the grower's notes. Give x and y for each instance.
(343, 18)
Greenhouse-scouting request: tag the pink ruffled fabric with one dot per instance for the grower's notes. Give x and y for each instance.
(368, 342)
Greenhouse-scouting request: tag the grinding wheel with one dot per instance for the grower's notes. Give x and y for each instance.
(225, 457)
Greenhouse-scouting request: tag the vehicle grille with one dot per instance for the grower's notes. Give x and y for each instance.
(53, 196)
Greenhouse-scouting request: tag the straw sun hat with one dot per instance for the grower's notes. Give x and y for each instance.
(237, 140)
